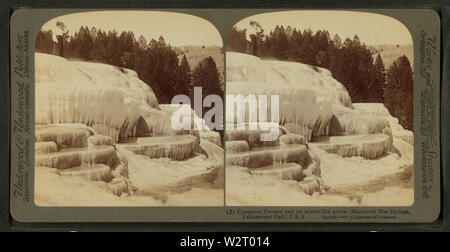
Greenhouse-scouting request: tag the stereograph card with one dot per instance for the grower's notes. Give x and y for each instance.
(225, 115)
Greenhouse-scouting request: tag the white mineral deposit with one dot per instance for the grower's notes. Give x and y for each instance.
(102, 139)
(330, 152)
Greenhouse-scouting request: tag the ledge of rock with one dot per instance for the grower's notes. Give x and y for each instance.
(64, 137)
(72, 157)
(288, 171)
(95, 172)
(367, 146)
(259, 157)
(175, 147)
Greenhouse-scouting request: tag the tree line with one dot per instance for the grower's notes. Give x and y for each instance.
(350, 62)
(156, 62)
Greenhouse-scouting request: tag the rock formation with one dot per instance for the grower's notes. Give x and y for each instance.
(100, 128)
(318, 123)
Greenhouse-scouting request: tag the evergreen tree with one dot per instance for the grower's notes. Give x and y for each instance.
(306, 52)
(126, 44)
(206, 76)
(98, 52)
(398, 94)
(280, 43)
(112, 49)
(142, 43)
(185, 84)
(87, 43)
(378, 82)
(237, 41)
(44, 41)
(162, 70)
(322, 41)
(356, 69)
(81, 44)
(294, 43)
(335, 58)
(140, 54)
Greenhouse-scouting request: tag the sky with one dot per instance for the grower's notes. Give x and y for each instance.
(372, 29)
(183, 29)
(177, 29)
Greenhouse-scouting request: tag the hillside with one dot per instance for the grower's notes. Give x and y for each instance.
(391, 52)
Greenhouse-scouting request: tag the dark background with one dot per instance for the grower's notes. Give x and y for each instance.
(442, 7)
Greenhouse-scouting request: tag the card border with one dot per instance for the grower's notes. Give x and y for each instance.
(444, 101)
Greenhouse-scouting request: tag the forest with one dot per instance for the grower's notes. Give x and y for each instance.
(156, 62)
(350, 61)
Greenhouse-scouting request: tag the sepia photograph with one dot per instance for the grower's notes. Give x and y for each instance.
(106, 131)
(335, 90)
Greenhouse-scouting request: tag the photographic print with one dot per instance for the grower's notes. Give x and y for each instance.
(225, 115)
(106, 131)
(319, 110)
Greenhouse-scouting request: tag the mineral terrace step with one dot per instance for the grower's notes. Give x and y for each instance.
(236, 146)
(177, 147)
(366, 146)
(212, 136)
(73, 157)
(288, 171)
(95, 172)
(253, 137)
(264, 156)
(292, 139)
(100, 140)
(64, 137)
(45, 147)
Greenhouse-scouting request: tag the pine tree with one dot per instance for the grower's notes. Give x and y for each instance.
(280, 44)
(236, 41)
(126, 44)
(142, 43)
(139, 54)
(398, 94)
(185, 84)
(86, 43)
(111, 49)
(294, 44)
(207, 76)
(99, 53)
(306, 53)
(44, 41)
(162, 71)
(378, 82)
(335, 58)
